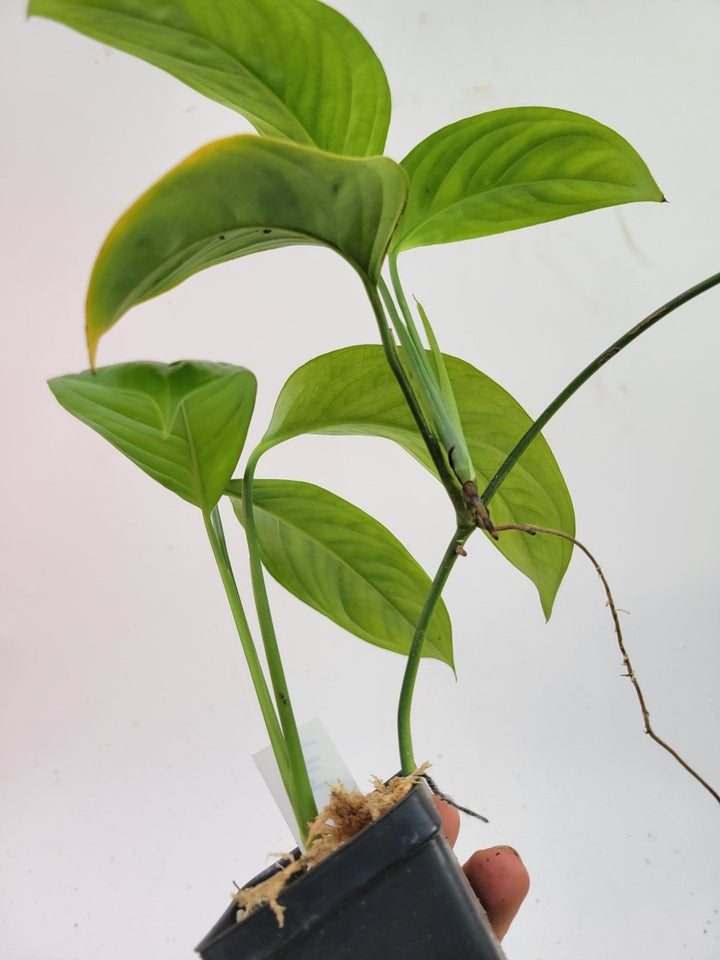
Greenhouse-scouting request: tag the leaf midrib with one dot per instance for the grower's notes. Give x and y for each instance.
(195, 471)
(131, 299)
(524, 185)
(459, 203)
(341, 560)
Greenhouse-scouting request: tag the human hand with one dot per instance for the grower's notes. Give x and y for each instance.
(497, 875)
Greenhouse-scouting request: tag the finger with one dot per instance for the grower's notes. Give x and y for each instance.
(501, 882)
(450, 820)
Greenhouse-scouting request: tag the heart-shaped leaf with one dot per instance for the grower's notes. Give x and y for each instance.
(237, 196)
(352, 391)
(514, 168)
(184, 423)
(293, 68)
(342, 562)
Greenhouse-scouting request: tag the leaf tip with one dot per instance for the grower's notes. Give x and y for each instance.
(92, 340)
(547, 602)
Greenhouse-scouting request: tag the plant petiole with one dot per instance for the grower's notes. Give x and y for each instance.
(445, 473)
(302, 799)
(216, 536)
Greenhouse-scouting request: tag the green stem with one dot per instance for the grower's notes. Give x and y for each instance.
(454, 550)
(400, 293)
(592, 368)
(301, 797)
(447, 477)
(213, 527)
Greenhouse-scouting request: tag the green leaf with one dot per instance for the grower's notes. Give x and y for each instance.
(184, 423)
(293, 68)
(237, 196)
(513, 168)
(343, 563)
(351, 391)
(533, 492)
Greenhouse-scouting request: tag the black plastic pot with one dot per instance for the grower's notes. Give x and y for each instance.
(396, 890)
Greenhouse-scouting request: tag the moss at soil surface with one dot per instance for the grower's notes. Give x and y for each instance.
(346, 814)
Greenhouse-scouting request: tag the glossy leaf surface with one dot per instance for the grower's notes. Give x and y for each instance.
(345, 564)
(513, 168)
(237, 196)
(352, 391)
(293, 68)
(184, 423)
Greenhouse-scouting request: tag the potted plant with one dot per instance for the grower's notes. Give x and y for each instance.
(314, 175)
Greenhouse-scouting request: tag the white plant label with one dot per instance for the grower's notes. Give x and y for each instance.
(325, 767)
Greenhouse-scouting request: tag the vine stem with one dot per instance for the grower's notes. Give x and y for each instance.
(454, 550)
(216, 536)
(301, 796)
(532, 530)
(592, 368)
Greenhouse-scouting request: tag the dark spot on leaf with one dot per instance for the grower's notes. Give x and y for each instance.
(221, 237)
(267, 230)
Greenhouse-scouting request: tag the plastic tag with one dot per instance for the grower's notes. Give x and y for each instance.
(325, 767)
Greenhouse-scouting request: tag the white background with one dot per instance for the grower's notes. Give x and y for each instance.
(131, 802)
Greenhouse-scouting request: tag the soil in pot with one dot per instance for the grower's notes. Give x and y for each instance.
(395, 890)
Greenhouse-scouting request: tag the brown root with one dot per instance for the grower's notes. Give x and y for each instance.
(532, 530)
